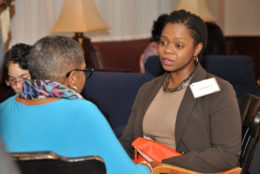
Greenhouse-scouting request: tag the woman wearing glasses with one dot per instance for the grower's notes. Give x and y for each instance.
(50, 114)
(16, 68)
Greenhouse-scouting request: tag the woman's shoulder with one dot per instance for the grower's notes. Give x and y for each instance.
(7, 101)
(79, 103)
(223, 84)
(226, 91)
(79, 107)
(202, 74)
(225, 87)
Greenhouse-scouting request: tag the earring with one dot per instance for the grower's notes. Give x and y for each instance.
(196, 59)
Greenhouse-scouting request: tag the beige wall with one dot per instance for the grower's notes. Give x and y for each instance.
(244, 19)
(237, 17)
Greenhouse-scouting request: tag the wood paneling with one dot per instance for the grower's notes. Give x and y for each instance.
(245, 45)
(119, 55)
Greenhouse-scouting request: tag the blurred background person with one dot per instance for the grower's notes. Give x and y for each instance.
(16, 68)
(216, 41)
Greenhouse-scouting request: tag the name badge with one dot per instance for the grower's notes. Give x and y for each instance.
(204, 87)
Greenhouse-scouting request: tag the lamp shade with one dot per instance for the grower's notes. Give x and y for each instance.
(79, 16)
(198, 7)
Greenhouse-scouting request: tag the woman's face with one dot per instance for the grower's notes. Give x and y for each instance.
(16, 77)
(176, 48)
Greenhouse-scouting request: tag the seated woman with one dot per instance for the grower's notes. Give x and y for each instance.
(50, 114)
(16, 68)
(187, 109)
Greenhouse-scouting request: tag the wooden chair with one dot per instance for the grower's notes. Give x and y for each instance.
(170, 169)
(51, 163)
(250, 131)
(244, 105)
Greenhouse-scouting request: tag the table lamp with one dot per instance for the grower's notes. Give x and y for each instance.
(198, 7)
(80, 16)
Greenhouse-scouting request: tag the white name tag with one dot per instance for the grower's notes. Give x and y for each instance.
(204, 87)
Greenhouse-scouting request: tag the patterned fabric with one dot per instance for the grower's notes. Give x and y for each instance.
(38, 89)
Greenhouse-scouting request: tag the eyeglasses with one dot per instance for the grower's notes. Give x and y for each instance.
(14, 81)
(88, 72)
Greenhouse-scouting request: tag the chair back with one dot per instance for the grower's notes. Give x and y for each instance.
(51, 163)
(244, 105)
(237, 69)
(250, 130)
(253, 109)
(248, 105)
(153, 65)
(114, 93)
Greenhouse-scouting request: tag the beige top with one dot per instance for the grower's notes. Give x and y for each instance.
(160, 117)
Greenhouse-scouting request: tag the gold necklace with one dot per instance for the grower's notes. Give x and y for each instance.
(182, 85)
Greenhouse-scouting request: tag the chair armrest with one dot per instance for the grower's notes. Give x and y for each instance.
(159, 168)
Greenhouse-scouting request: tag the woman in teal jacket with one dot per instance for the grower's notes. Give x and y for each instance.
(50, 114)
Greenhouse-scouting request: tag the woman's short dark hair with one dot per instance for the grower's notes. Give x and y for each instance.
(53, 56)
(17, 54)
(158, 27)
(194, 23)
